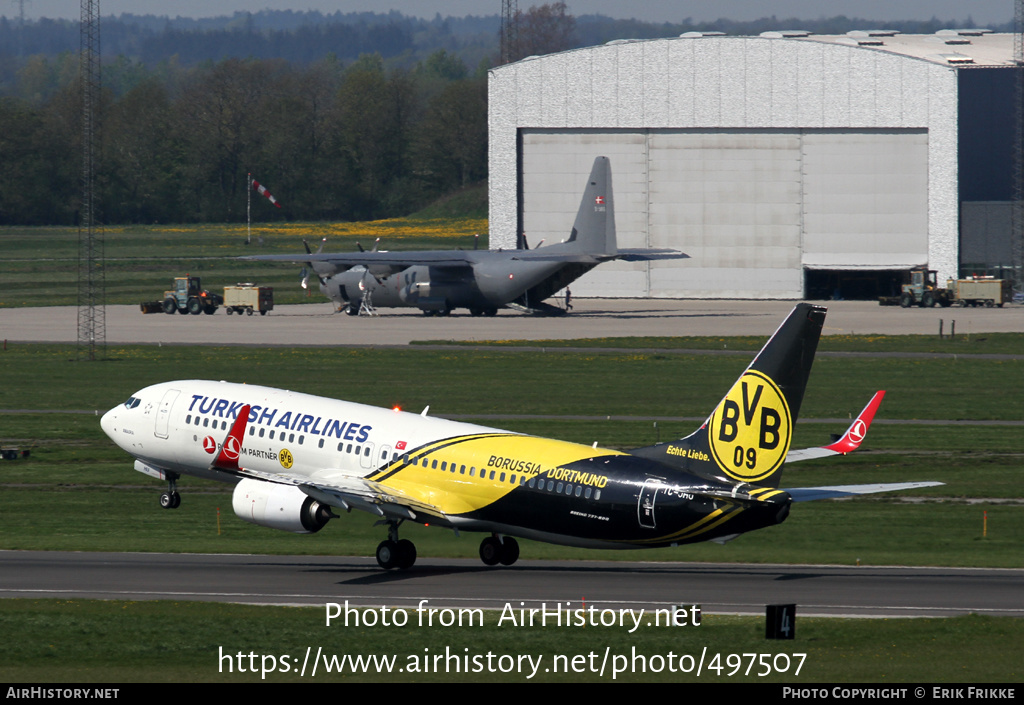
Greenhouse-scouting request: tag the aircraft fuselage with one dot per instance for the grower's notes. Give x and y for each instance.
(493, 281)
(454, 474)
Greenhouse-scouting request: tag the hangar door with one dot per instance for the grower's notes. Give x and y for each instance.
(752, 208)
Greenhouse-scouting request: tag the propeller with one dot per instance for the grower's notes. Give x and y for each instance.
(305, 270)
(375, 246)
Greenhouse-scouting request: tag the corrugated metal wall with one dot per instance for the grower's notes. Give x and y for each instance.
(759, 157)
(750, 207)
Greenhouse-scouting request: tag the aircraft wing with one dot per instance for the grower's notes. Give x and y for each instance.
(647, 254)
(849, 441)
(461, 258)
(809, 494)
(352, 492)
(631, 255)
(332, 487)
(344, 260)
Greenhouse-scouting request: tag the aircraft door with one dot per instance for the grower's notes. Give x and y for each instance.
(366, 460)
(645, 503)
(163, 413)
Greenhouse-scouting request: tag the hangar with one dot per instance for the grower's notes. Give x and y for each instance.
(787, 165)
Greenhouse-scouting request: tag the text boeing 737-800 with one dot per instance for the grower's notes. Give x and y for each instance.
(295, 457)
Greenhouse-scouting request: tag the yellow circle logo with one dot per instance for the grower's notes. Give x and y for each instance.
(749, 432)
(285, 456)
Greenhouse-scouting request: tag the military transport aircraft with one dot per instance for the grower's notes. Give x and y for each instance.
(438, 281)
(296, 458)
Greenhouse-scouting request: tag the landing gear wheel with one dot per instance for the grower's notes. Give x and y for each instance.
(170, 500)
(406, 554)
(490, 550)
(509, 551)
(387, 554)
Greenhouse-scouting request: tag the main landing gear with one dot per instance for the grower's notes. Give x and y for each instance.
(395, 553)
(401, 553)
(171, 499)
(499, 549)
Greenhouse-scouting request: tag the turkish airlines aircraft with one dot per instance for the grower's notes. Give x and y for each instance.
(294, 458)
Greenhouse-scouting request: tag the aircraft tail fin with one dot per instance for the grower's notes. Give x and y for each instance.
(747, 436)
(593, 231)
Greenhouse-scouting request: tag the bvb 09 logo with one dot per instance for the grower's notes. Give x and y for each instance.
(285, 456)
(749, 432)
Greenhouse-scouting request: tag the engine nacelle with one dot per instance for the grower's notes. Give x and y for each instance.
(283, 507)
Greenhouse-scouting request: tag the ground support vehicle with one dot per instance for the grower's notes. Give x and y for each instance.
(189, 296)
(921, 289)
(246, 298)
(981, 291)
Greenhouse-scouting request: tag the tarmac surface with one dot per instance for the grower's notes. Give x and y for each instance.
(320, 325)
(453, 583)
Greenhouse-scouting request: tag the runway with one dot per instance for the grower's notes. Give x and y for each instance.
(464, 583)
(722, 588)
(320, 325)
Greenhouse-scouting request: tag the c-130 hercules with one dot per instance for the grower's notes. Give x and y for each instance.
(483, 281)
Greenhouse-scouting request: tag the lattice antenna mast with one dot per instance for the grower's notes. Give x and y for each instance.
(92, 333)
(509, 31)
(21, 29)
(1017, 204)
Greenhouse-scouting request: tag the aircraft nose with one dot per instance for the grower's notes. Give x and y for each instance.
(108, 422)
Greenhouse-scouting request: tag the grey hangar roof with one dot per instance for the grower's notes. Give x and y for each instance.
(761, 157)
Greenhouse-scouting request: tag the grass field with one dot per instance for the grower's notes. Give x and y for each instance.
(77, 491)
(127, 642)
(39, 266)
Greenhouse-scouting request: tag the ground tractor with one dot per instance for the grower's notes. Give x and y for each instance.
(920, 289)
(189, 296)
(246, 298)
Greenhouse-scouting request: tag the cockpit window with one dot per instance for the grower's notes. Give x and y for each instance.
(132, 402)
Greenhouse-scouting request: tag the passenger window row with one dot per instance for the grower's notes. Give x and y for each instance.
(566, 488)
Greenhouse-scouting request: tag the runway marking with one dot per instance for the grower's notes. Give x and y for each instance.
(358, 601)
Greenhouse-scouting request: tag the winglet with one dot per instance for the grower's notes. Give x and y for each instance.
(227, 458)
(849, 442)
(855, 434)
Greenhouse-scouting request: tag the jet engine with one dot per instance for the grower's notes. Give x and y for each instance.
(276, 506)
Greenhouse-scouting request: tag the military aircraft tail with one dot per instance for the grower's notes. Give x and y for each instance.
(593, 231)
(747, 436)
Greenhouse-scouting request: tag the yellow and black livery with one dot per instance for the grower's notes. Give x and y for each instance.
(747, 437)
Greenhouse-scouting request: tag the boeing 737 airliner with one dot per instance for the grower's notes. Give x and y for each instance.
(294, 458)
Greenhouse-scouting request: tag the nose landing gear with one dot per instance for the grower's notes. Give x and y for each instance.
(171, 499)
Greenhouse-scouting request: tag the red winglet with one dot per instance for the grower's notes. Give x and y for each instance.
(851, 440)
(227, 458)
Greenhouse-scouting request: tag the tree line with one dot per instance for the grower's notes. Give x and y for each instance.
(360, 123)
(332, 142)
